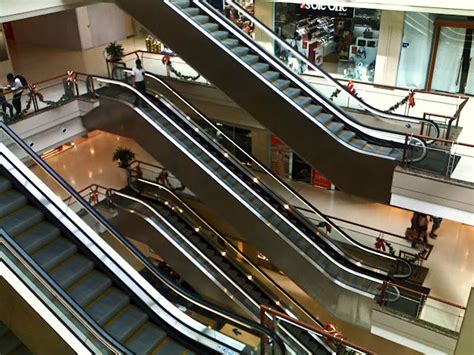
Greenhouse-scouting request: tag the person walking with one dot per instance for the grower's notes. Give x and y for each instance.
(435, 226)
(15, 84)
(138, 80)
(419, 224)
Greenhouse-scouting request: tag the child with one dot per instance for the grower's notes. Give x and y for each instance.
(5, 104)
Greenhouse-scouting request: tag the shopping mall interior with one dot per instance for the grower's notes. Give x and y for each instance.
(236, 177)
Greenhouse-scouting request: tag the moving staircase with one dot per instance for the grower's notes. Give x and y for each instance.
(279, 99)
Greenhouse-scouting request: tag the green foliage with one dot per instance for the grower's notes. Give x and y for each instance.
(124, 156)
(114, 51)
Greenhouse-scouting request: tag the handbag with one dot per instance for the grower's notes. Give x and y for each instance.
(412, 234)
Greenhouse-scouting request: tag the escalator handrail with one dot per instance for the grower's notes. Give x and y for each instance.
(118, 236)
(373, 279)
(337, 111)
(229, 245)
(282, 183)
(152, 210)
(329, 77)
(67, 301)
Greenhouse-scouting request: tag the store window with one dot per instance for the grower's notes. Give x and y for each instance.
(342, 40)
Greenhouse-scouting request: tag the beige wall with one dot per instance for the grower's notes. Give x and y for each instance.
(27, 325)
(95, 31)
(466, 340)
(390, 43)
(57, 30)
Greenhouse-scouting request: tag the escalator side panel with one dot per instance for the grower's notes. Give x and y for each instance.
(355, 173)
(137, 228)
(114, 117)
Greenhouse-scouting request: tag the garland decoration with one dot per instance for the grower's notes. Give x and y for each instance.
(166, 60)
(335, 94)
(382, 244)
(350, 88)
(410, 98)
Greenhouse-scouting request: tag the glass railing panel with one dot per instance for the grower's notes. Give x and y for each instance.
(339, 93)
(123, 247)
(275, 184)
(423, 307)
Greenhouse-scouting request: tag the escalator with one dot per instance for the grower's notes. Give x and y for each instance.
(91, 277)
(346, 286)
(214, 257)
(307, 121)
(10, 344)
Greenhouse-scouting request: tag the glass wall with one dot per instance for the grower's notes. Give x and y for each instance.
(416, 50)
(342, 40)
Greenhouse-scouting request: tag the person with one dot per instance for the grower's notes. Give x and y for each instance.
(138, 80)
(5, 104)
(15, 84)
(435, 226)
(419, 222)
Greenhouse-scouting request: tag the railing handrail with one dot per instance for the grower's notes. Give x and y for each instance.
(63, 298)
(327, 76)
(309, 327)
(276, 178)
(442, 140)
(425, 295)
(236, 250)
(176, 288)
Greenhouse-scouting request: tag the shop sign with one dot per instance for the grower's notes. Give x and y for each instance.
(307, 8)
(319, 180)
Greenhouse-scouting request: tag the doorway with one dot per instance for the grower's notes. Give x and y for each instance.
(452, 66)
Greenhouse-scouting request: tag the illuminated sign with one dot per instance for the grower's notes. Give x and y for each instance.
(326, 10)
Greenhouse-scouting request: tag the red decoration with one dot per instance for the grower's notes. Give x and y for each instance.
(166, 59)
(411, 98)
(350, 86)
(71, 77)
(335, 334)
(379, 244)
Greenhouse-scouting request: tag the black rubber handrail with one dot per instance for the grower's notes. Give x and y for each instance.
(289, 188)
(329, 77)
(233, 318)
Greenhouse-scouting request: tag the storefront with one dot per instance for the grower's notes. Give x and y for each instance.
(342, 40)
(437, 53)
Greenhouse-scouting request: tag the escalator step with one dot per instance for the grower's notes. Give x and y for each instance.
(346, 135)
(10, 201)
(5, 184)
(230, 42)
(88, 288)
(324, 118)
(384, 150)
(335, 127)
(282, 84)
(241, 51)
(55, 252)
(302, 101)
(21, 220)
(261, 67)
(211, 27)
(192, 11)
(72, 270)
(107, 305)
(358, 143)
(181, 3)
(124, 324)
(371, 148)
(313, 110)
(145, 339)
(292, 92)
(202, 19)
(170, 347)
(250, 59)
(220, 35)
(271, 75)
(38, 236)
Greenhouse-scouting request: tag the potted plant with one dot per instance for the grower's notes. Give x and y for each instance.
(114, 51)
(123, 156)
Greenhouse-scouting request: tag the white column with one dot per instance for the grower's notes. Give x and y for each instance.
(390, 44)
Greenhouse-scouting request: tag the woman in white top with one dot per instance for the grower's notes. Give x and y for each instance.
(138, 80)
